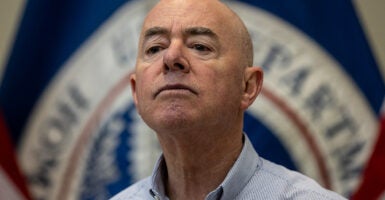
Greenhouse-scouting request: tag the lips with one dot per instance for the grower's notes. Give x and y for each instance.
(174, 87)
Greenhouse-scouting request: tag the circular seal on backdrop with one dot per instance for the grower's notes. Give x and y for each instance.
(329, 131)
(86, 141)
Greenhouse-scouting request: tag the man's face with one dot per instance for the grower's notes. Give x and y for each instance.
(189, 70)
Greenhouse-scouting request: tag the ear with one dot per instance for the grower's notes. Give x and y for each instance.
(133, 87)
(252, 86)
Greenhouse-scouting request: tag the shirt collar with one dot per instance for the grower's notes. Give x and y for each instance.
(236, 179)
(157, 190)
(241, 172)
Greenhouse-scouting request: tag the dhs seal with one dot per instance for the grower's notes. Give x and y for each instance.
(310, 103)
(86, 141)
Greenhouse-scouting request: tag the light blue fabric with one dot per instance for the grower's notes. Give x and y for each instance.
(251, 177)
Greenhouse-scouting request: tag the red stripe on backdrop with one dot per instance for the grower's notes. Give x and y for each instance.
(304, 131)
(85, 135)
(8, 160)
(373, 182)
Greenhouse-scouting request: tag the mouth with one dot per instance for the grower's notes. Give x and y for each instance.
(174, 87)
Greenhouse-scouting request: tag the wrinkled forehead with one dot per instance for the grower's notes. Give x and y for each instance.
(180, 14)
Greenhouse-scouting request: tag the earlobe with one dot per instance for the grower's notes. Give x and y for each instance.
(133, 87)
(253, 85)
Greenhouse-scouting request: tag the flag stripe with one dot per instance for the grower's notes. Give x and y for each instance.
(373, 183)
(7, 189)
(8, 165)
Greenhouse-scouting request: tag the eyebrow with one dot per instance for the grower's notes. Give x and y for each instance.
(200, 31)
(153, 31)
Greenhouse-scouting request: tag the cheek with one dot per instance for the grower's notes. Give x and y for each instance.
(229, 75)
(224, 84)
(143, 96)
(144, 89)
(146, 80)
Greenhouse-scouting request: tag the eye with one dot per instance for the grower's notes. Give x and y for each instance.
(200, 47)
(153, 50)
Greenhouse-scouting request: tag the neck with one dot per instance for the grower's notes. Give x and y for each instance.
(197, 162)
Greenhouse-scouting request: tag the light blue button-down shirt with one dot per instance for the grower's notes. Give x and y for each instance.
(251, 177)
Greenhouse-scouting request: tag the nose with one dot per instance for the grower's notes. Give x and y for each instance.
(174, 59)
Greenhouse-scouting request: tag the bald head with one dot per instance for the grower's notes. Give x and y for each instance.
(241, 35)
(213, 12)
(194, 67)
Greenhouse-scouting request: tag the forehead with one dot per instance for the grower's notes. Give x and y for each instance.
(179, 14)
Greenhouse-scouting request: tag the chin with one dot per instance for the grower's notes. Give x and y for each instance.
(174, 119)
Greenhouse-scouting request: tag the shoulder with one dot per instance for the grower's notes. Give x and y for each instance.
(137, 191)
(273, 181)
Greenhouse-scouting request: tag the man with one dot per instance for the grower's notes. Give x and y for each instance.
(192, 84)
